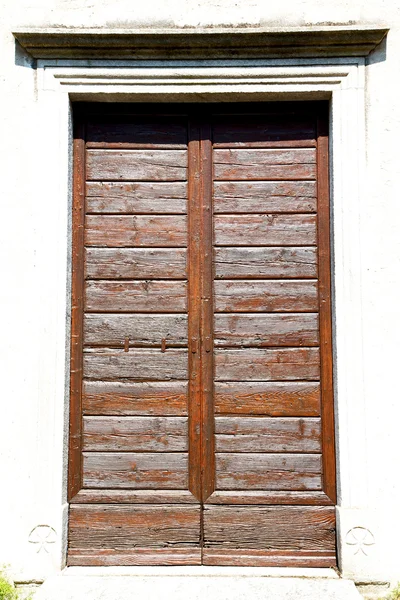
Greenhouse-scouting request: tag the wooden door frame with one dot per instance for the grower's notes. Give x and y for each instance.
(201, 454)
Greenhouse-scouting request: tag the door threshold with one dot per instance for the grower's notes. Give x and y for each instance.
(203, 571)
(181, 583)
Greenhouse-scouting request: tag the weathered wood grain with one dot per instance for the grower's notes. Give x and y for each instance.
(142, 330)
(194, 306)
(325, 309)
(137, 364)
(246, 497)
(135, 263)
(143, 132)
(136, 296)
(206, 424)
(135, 434)
(134, 497)
(279, 528)
(255, 330)
(245, 557)
(136, 197)
(248, 157)
(265, 230)
(264, 434)
(252, 364)
(274, 399)
(265, 296)
(261, 263)
(265, 196)
(158, 470)
(99, 557)
(139, 165)
(116, 528)
(77, 302)
(240, 471)
(124, 399)
(257, 164)
(135, 230)
(264, 133)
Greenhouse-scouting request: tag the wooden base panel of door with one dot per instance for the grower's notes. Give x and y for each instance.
(263, 558)
(140, 557)
(141, 534)
(261, 535)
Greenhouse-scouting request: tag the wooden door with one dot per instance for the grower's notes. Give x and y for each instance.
(201, 428)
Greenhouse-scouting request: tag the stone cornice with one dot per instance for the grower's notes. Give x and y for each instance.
(329, 41)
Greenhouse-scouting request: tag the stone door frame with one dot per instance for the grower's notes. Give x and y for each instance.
(339, 80)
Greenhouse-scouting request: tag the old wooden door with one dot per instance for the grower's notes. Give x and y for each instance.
(201, 427)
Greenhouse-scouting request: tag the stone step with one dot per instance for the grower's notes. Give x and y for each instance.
(234, 584)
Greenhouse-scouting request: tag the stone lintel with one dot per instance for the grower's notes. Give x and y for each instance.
(99, 43)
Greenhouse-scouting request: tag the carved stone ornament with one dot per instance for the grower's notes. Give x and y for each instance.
(43, 536)
(361, 539)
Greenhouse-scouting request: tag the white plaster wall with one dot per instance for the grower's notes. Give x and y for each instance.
(34, 274)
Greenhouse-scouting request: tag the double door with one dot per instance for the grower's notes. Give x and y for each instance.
(201, 420)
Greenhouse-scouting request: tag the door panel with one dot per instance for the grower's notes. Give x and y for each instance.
(267, 358)
(164, 398)
(201, 366)
(273, 196)
(273, 399)
(134, 446)
(112, 197)
(254, 434)
(263, 262)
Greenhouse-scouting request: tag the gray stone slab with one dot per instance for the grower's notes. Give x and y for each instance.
(125, 587)
(201, 43)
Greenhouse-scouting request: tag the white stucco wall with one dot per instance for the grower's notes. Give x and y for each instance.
(34, 304)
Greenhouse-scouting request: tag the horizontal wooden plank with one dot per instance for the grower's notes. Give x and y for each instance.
(135, 263)
(253, 471)
(141, 296)
(119, 398)
(136, 364)
(261, 263)
(255, 330)
(131, 231)
(265, 196)
(138, 165)
(114, 527)
(138, 557)
(264, 133)
(289, 529)
(265, 434)
(265, 230)
(252, 364)
(149, 470)
(136, 434)
(315, 498)
(142, 330)
(264, 558)
(257, 164)
(265, 296)
(274, 399)
(134, 497)
(139, 132)
(136, 197)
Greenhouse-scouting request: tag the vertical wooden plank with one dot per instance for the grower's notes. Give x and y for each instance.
(207, 310)
(194, 301)
(324, 281)
(78, 222)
